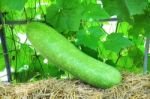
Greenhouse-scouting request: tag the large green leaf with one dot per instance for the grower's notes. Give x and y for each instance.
(94, 14)
(90, 37)
(64, 15)
(115, 42)
(140, 25)
(116, 7)
(125, 8)
(136, 6)
(7, 5)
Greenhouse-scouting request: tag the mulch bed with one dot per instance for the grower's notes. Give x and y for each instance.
(133, 86)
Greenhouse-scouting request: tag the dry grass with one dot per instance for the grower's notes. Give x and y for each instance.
(132, 87)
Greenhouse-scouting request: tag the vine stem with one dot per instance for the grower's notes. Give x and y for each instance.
(38, 60)
(146, 54)
(4, 46)
(15, 47)
(119, 56)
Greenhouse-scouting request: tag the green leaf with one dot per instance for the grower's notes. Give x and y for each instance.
(90, 52)
(125, 62)
(23, 56)
(140, 25)
(94, 14)
(30, 12)
(65, 15)
(123, 27)
(9, 40)
(44, 69)
(136, 6)
(115, 42)
(116, 7)
(108, 56)
(90, 37)
(14, 15)
(124, 8)
(89, 1)
(8, 5)
(2, 62)
(136, 55)
(52, 70)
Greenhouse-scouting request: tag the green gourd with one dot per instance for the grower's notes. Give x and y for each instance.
(60, 51)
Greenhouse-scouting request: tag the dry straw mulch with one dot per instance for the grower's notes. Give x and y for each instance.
(133, 86)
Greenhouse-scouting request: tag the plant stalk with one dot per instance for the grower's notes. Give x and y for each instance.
(4, 46)
(146, 55)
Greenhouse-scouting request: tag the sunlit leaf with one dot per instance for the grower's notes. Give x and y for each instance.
(136, 6)
(115, 42)
(94, 14)
(65, 15)
(90, 37)
(8, 5)
(125, 8)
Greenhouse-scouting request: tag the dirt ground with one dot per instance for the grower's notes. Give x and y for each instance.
(133, 86)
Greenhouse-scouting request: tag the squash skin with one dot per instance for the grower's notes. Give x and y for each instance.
(60, 51)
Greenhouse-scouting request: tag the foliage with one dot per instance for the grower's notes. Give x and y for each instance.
(79, 21)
